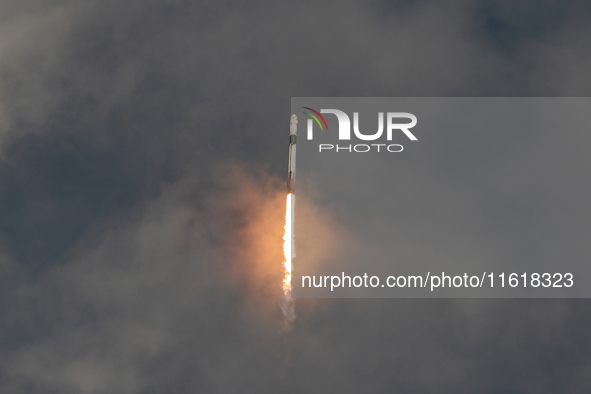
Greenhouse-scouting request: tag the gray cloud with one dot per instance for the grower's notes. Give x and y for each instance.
(141, 180)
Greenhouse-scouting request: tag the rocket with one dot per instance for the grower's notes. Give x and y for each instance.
(291, 172)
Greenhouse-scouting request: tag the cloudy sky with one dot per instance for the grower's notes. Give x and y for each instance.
(142, 189)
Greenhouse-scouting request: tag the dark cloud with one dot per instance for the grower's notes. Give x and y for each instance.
(141, 196)
(508, 26)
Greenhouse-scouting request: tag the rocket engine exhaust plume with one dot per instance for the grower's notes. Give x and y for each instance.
(288, 305)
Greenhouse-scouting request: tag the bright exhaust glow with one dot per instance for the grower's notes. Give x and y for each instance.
(288, 245)
(287, 305)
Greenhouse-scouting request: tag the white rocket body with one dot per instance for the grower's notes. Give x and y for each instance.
(291, 173)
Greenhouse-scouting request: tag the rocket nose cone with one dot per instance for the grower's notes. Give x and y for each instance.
(293, 125)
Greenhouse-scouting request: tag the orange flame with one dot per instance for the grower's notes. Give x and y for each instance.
(289, 252)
